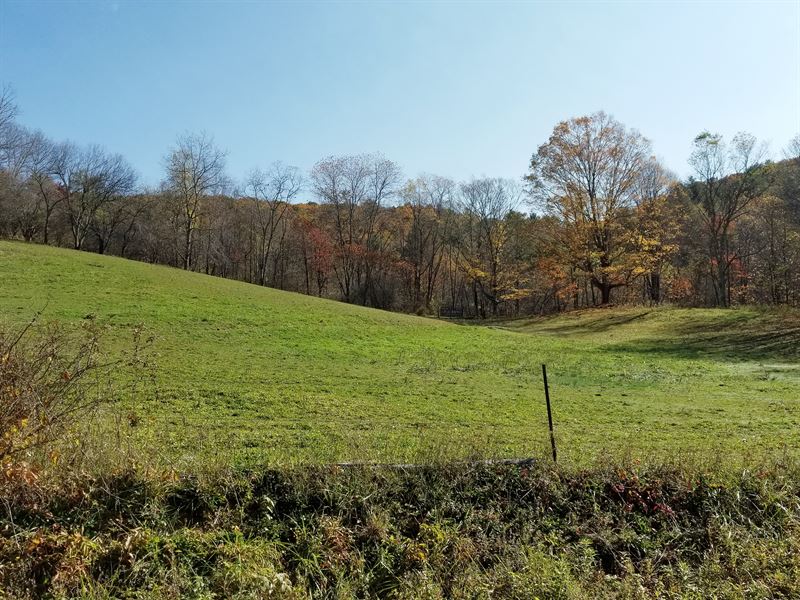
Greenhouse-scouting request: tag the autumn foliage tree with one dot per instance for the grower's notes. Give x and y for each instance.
(587, 175)
(657, 222)
(609, 222)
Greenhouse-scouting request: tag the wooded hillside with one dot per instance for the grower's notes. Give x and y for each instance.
(597, 219)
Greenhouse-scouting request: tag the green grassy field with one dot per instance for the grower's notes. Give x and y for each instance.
(249, 375)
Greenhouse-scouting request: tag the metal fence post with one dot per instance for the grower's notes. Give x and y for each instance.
(549, 413)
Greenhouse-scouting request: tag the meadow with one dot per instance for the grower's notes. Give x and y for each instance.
(248, 375)
(206, 472)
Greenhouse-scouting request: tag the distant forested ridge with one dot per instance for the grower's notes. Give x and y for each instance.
(595, 220)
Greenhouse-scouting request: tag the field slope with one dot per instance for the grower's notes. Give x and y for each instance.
(251, 374)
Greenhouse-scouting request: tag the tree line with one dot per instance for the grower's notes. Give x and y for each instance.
(597, 219)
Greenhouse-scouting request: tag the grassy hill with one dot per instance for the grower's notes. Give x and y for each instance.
(249, 374)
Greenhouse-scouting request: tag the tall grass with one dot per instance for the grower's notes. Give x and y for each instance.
(447, 531)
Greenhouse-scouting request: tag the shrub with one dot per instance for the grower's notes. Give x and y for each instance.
(43, 387)
(49, 380)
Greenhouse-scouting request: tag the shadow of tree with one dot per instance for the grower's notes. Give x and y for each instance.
(734, 335)
(739, 339)
(596, 325)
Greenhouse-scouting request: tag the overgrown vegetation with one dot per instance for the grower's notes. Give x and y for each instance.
(47, 383)
(440, 531)
(54, 383)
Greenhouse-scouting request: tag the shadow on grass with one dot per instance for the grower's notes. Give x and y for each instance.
(739, 339)
(581, 322)
(732, 335)
(597, 325)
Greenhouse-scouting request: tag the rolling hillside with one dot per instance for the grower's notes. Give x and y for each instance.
(250, 374)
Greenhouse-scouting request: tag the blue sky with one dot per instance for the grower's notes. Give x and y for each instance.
(457, 89)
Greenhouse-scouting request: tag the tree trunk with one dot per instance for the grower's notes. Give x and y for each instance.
(605, 293)
(187, 261)
(654, 288)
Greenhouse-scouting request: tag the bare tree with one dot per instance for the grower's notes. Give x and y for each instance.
(384, 178)
(195, 169)
(134, 219)
(341, 182)
(19, 210)
(111, 218)
(12, 157)
(42, 167)
(773, 259)
(19, 144)
(792, 151)
(272, 192)
(725, 183)
(29, 192)
(355, 188)
(788, 180)
(8, 106)
(486, 203)
(89, 180)
(430, 201)
(22, 205)
(8, 113)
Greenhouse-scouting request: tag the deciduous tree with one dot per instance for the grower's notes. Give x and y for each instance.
(486, 203)
(429, 200)
(195, 169)
(726, 182)
(271, 191)
(587, 175)
(89, 179)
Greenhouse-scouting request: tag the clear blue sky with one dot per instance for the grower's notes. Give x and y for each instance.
(457, 89)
